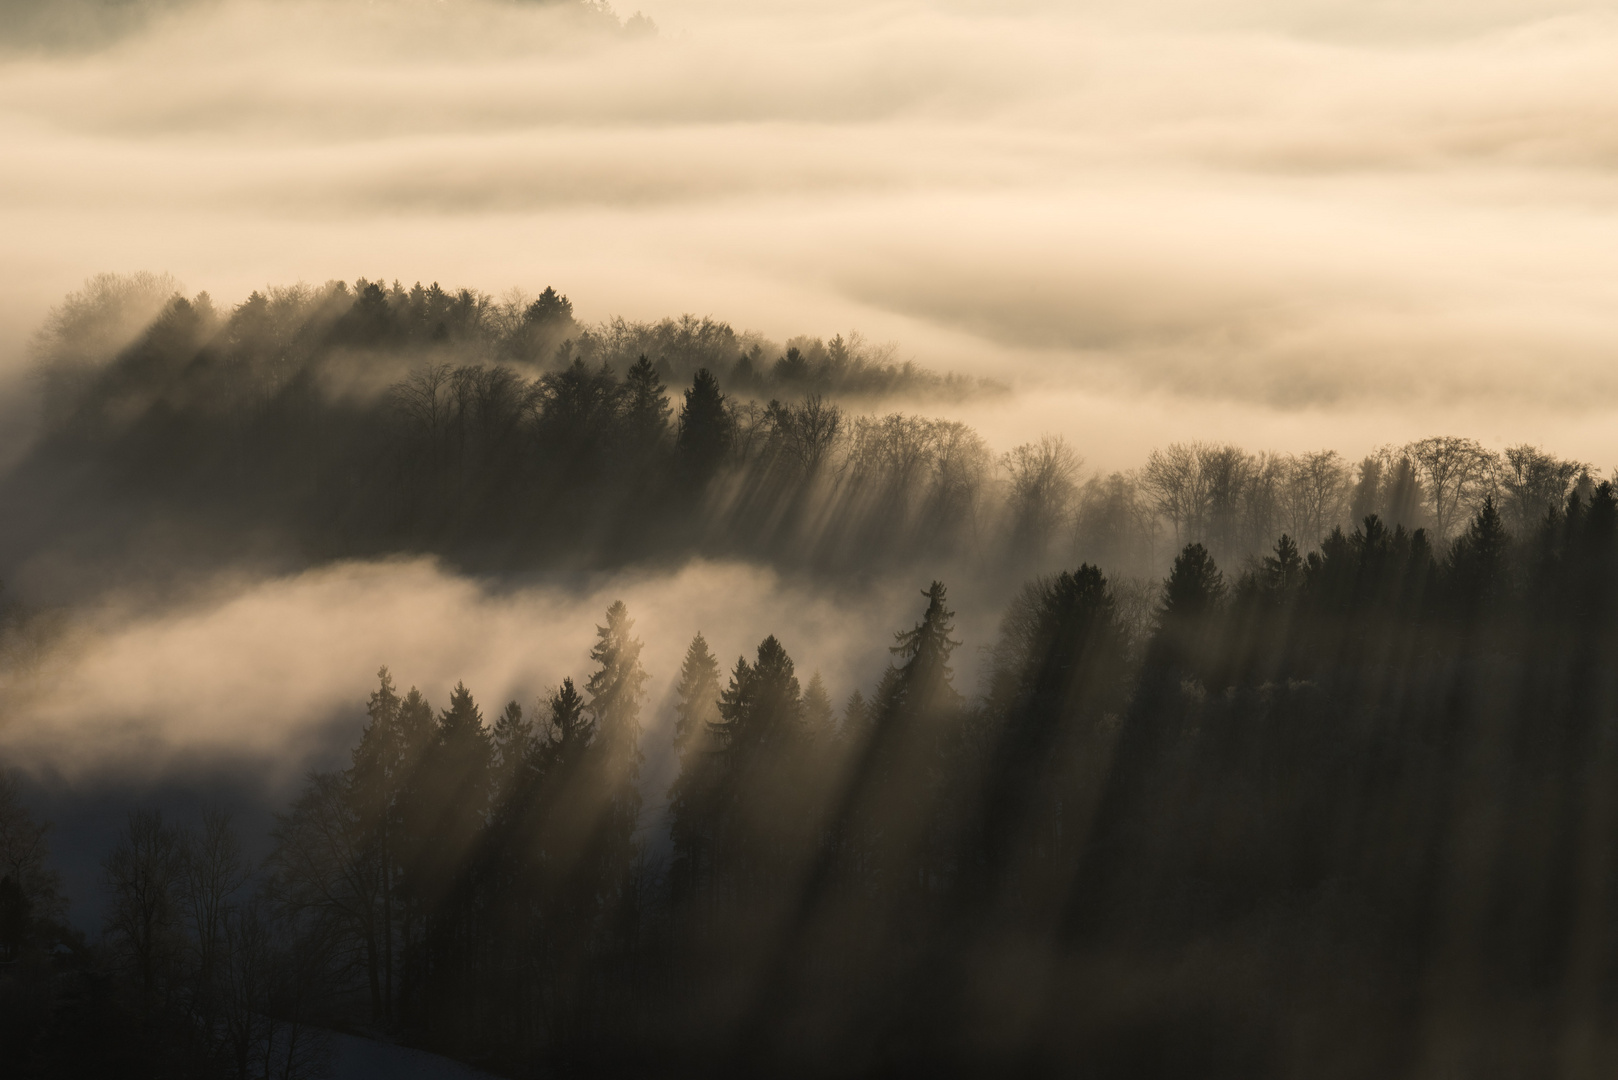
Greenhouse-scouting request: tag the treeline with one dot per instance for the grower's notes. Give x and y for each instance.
(1348, 811)
(350, 422)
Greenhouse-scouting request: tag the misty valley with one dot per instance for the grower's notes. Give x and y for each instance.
(1233, 764)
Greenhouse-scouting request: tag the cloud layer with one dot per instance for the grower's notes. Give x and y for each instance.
(1372, 210)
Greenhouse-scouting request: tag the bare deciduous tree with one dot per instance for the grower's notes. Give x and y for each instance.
(1456, 474)
(143, 876)
(1044, 482)
(1532, 483)
(1316, 489)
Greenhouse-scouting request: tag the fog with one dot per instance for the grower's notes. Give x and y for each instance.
(1370, 217)
(274, 671)
(1186, 424)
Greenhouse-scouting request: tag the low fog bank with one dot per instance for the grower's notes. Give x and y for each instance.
(267, 669)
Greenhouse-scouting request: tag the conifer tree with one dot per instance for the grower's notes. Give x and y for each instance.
(646, 406)
(1283, 570)
(762, 705)
(691, 794)
(377, 781)
(698, 704)
(569, 730)
(706, 430)
(914, 714)
(1192, 594)
(513, 747)
(856, 719)
(1479, 570)
(450, 797)
(1193, 588)
(615, 689)
(819, 720)
(1039, 789)
(760, 738)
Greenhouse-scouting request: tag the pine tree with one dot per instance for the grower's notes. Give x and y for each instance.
(762, 705)
(1039, 790)
(691, 794)
(569, 729)
(1194, 587)
(615, 690)
(698, 692)
(706, 430)
(1192, 596)
(450, 797)
(646, 406)
(856, 724)
(1283, 571)
(914, 715)
(925, 680)
(760, 741)
(549, 309)
(819, 721)
(377, 781)
(513, 748)
(1479, 566)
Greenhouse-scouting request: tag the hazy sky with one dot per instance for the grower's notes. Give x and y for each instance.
(1290, 224)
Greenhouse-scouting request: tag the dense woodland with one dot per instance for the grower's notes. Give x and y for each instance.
(1339, 804)
(310, 424)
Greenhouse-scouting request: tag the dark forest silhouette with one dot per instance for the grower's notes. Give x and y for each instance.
(313, 424)
(1338, 802)
(1350, 807)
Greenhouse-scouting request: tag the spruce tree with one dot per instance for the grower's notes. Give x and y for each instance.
(377, 781)
(691, 794)
(856, 724)
(513, 747)
(819, 720)
(1283, 571)
(569, 730)
(757, 821)
(915, 713)
(615, 690)
(1192, 594)
(706, 430)
(646, 406)
(1479, 566)
(1039, 787)
(698, 693)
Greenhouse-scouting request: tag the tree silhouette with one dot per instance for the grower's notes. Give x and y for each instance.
(706, 429)
(691, 797)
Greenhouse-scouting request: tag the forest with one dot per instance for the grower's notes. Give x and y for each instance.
(1281, 765)
(310, 424)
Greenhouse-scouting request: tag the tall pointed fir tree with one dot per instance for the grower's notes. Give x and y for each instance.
(819, 720)
(615, 689)
(1043, 783)
(760, 737)
(377, 780)
(706, 430)
(446, 815)
(914, 718)
(512, 749)
(646, 408)
(691, 794)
